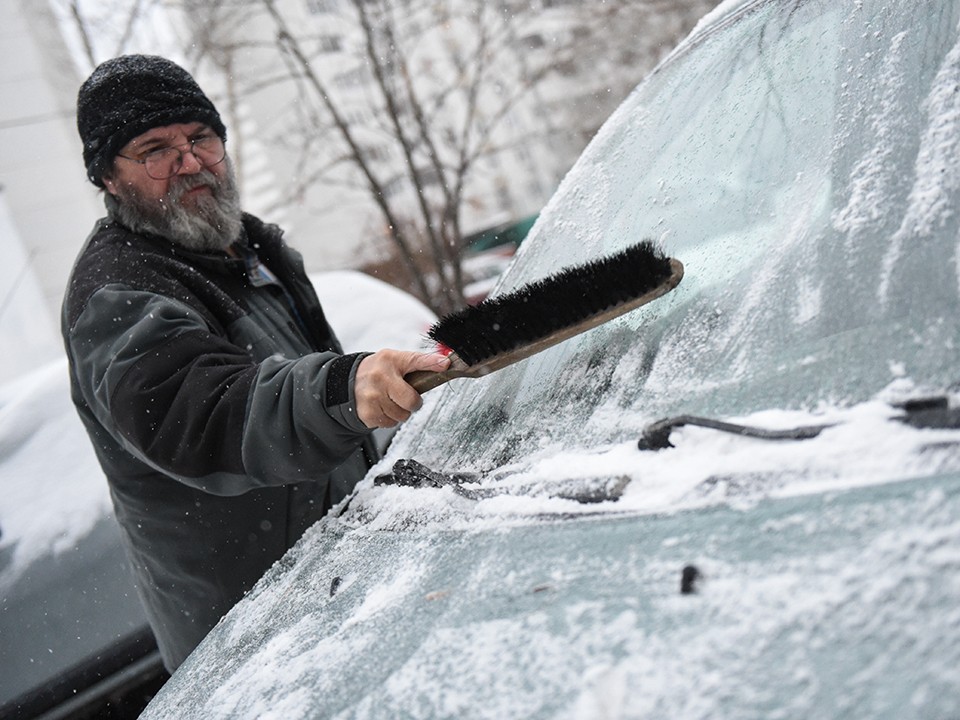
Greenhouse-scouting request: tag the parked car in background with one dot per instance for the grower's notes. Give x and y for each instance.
(510, 233)
(523, 551)
(74, 642)
(487, 254)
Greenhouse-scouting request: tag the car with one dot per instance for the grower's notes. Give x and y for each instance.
(510, 233)
(75, 641)
(740, 500)
(487, 254)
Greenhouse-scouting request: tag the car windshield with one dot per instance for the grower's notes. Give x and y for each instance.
(803, 165)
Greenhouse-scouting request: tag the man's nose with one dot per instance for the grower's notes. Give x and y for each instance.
(189, 165)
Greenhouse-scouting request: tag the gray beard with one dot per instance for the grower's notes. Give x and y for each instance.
(212, 224)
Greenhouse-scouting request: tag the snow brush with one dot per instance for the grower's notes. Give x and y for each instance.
(503, 330)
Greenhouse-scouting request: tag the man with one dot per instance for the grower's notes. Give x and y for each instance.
(218, 400)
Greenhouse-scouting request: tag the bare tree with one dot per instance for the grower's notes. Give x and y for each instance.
(418, 99)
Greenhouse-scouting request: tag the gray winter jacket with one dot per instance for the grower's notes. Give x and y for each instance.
(221, 409)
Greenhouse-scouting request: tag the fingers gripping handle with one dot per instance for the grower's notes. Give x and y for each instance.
(423, 380)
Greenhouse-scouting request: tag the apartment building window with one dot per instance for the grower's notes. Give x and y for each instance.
(566, 68)
(429, 176)
(376, 153)
(357, 116)
(581, 32)
(534, 41)
(321, 7)
(395, 186)
(351, 78)
(330, 43)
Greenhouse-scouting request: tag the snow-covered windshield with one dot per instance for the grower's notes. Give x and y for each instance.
(800, 157)
(803, 164)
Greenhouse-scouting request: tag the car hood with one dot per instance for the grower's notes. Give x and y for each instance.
(806, 605)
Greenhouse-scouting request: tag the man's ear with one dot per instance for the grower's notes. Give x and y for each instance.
(109, 181)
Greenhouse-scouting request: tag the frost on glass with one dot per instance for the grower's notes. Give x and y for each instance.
(810, 609)
(803, 165)
(802, 162)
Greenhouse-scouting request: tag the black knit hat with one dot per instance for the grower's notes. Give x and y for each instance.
(128, 95)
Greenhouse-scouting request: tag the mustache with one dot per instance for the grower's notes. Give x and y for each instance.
(182, 184)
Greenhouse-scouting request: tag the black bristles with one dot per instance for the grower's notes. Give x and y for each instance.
(532, 312)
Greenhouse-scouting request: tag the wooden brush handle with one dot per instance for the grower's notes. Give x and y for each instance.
(423, 380)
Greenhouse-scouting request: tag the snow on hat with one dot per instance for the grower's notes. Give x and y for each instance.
(128, 95)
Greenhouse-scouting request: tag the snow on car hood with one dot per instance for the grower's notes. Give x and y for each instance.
(864, 445)
(388, 610)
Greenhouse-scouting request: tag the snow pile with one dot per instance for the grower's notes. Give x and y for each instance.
(53, 489)
(368, 314)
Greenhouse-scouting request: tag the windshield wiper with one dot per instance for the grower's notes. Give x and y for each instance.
(924, 412)
(584, 490)
(932, 413)
(656, 436)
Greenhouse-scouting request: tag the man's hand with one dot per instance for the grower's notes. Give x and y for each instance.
(383, 397)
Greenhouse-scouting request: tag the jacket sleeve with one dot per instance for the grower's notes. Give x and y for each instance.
(198, 408)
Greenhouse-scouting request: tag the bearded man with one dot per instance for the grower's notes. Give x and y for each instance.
(218, 400)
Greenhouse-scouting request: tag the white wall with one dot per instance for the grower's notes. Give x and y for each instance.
(28, 335)
(49, 206)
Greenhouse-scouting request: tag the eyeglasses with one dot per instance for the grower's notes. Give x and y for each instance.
(163, 163)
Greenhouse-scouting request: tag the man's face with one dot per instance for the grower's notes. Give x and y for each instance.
(197, 207)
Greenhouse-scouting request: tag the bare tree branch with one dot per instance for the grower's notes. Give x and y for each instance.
(289, 43)
(133, 17)
(84, 32)
(390, 99)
